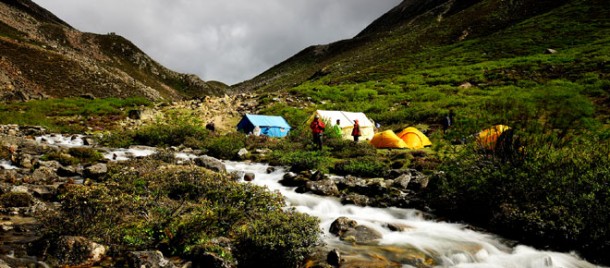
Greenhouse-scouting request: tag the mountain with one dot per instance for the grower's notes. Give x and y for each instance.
(414, 33)
(42, 56)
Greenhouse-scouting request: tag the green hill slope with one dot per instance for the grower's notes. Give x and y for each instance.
(492, 61)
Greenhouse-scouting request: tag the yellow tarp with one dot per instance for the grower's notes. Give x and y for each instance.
(487, 138)
(413, 138)
(387, 139)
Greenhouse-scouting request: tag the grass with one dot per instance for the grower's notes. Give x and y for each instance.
(72, 115)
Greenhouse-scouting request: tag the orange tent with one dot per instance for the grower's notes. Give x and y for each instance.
(387, 139)
(487, 138)
(414, 138)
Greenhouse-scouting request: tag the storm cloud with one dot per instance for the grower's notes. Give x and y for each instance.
(224, 40)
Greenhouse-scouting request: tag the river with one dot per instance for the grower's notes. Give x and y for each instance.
(451, 245)
(447, 244)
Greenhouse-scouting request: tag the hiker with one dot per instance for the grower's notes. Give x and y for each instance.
(337, 129)
(317, 128)
(356, 131)
(448, 121)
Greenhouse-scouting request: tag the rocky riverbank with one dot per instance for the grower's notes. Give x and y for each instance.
(37, 167)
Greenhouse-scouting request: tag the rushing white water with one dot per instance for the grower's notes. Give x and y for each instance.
(62, 140)
(453, 244)
(4, 164)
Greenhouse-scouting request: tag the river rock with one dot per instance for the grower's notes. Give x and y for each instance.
(341, 225)
(50, 164)
(25, 161)
(317, 176)
(419, 181)
(323, 187)
(44, 192)
(69, 171)
(291, 179)
(210, 163)
(95, 171)
(334, 258)
(149, 259)
(351, 183)
(44, 175)
(242, 153)
(355, 199)
(398, 227)
(249, 176)
(77, 251)
(361, 235)
(201, 258)
(402, 182)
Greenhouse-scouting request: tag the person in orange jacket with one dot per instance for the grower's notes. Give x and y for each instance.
(317, 128)
(356, 131)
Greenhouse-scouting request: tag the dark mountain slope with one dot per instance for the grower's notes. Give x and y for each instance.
(41, 56)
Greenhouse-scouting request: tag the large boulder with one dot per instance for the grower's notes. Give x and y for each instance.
(210, 163)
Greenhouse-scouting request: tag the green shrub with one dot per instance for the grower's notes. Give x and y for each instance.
(85, 154)
(147, 204)
(282, 239)
(13, 199)
(302, 160)
(362, 166)
(225, 146)
(548, 192)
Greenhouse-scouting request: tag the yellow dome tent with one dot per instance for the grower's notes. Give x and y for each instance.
(487, 138)
(413, 138)
(387, 139)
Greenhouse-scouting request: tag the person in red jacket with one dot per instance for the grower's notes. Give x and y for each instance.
(356, 131)
(317, 128)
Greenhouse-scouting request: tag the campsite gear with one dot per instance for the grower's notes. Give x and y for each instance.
(487, 138)
(387, 139)
(270, 125)
(413, 138)
(367, 128)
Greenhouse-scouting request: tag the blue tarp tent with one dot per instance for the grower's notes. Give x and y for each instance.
(272, 126)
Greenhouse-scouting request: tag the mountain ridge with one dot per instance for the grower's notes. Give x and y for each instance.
(41, 56)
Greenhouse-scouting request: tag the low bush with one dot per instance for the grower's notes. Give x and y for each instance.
(546, 193)
(362, 166)
(302, 160)
(278, 240)
(147, 204)
(225, 146)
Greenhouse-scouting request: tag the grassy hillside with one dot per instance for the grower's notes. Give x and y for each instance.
(413, 73)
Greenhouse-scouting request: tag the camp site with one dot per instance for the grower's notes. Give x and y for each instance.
(449, 133)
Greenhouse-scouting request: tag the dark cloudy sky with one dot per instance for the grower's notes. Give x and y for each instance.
(224, 40)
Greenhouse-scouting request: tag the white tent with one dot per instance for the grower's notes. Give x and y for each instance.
(367, 127)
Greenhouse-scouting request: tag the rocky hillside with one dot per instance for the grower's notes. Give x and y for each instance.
(41, 56)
